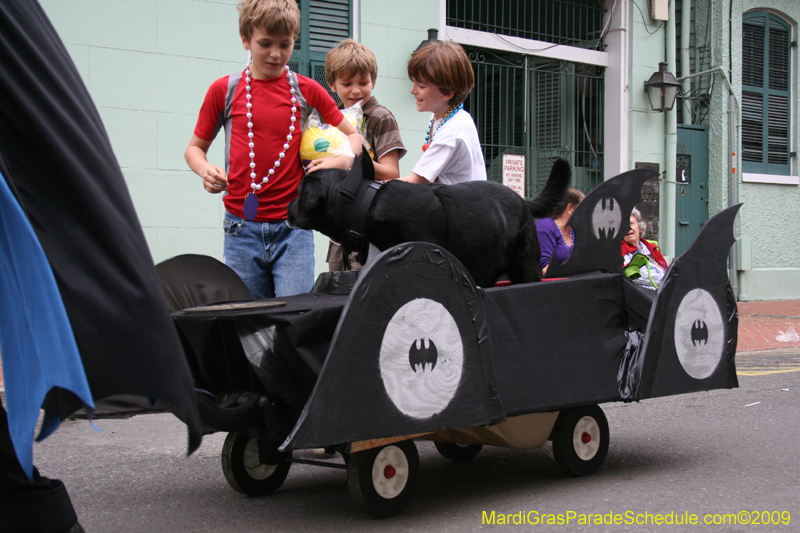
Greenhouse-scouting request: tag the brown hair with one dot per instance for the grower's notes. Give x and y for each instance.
(276, 17)
(572, 196)
(446, 65)
(349, 58)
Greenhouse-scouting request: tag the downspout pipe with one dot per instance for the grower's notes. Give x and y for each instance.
(666, 232)
(686, 63)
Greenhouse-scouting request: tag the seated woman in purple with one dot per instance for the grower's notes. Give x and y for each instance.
(555, 235)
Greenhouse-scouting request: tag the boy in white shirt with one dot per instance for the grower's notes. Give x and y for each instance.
(443, 77)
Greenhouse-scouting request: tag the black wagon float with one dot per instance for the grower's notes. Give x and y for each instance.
(410, 348)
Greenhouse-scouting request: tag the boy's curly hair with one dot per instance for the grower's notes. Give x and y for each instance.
(446, 65)
(349, 58)
(276, 17)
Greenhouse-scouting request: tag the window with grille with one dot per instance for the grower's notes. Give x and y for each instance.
(536, 107)
(765, 94)
(571, 22)
(539, 108)
(323, 23)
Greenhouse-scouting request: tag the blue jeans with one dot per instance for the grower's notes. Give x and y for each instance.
(271, 258)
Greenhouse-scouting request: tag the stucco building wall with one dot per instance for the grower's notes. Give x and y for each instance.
(769, 219)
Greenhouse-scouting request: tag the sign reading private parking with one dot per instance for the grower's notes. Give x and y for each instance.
(514, 173)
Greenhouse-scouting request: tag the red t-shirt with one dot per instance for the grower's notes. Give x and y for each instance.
(272, 111)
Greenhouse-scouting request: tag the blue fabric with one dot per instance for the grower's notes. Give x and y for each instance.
(550, 239)
(38, 347)
(273, 259)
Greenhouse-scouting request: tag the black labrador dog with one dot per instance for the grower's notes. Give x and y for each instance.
(488, 227)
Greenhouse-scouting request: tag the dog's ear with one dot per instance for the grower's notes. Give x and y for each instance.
(367, 168)
(301, 210)
(362, 170)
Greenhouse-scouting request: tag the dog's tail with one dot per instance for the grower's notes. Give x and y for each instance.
(546, 202)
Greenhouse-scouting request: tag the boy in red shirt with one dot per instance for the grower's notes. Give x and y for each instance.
(261, 109)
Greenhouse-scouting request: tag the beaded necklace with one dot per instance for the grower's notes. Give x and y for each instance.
(571, 234)
(251, 200)
(429, 137)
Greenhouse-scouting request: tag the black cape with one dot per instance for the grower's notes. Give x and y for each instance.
(57, 161)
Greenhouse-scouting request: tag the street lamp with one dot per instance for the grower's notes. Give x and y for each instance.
(433, 37)
(661, 89)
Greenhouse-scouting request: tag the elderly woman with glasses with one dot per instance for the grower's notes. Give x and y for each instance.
(642, 260)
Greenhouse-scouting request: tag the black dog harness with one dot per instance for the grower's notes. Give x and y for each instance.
(353, 204)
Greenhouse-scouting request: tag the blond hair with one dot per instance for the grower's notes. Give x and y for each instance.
(276, 17)
(349, 58)
(446, 65)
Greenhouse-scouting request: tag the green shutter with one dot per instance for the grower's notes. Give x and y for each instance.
(329, 23)
(765, 94)
(323, 23)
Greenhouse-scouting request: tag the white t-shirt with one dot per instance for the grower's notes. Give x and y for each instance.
(455, 154)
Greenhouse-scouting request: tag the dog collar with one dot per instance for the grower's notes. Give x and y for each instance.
(353, 203)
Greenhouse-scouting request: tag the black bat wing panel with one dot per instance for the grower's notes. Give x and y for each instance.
(600, 223)
(692, 332)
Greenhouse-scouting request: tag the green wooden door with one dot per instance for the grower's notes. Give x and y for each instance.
(691, 199)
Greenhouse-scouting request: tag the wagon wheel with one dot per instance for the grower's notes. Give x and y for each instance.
(458, 452)
(244, 471)
(580, 440)
(382, 480)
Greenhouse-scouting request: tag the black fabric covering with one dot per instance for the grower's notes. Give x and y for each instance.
(638, 303)
(600, 222)
(191, 280)
(58, 161)
(38, 505)
(276, 349)
(557, 344)
(339, 282)
(628, 374)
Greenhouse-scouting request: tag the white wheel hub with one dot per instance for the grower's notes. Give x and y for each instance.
(254, 467)
(586, 438)
(390, 472)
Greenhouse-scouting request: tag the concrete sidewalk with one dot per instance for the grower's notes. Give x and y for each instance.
(760, 324)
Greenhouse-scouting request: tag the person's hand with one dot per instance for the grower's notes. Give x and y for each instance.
(214, 179)
(340, 161)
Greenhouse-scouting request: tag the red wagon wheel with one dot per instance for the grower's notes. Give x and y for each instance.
(382, 480)
(580, 440)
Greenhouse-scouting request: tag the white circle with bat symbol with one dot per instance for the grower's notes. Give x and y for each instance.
(699, 334)
(421, 358)
(606, 218)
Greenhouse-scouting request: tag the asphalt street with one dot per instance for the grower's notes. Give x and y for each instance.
(719, 452)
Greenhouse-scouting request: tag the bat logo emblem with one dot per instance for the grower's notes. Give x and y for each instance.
(699, 333)
(606, 218)
(422, 355)
(420, 336)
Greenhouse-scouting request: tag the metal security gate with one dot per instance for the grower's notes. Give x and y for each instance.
(541, 109)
